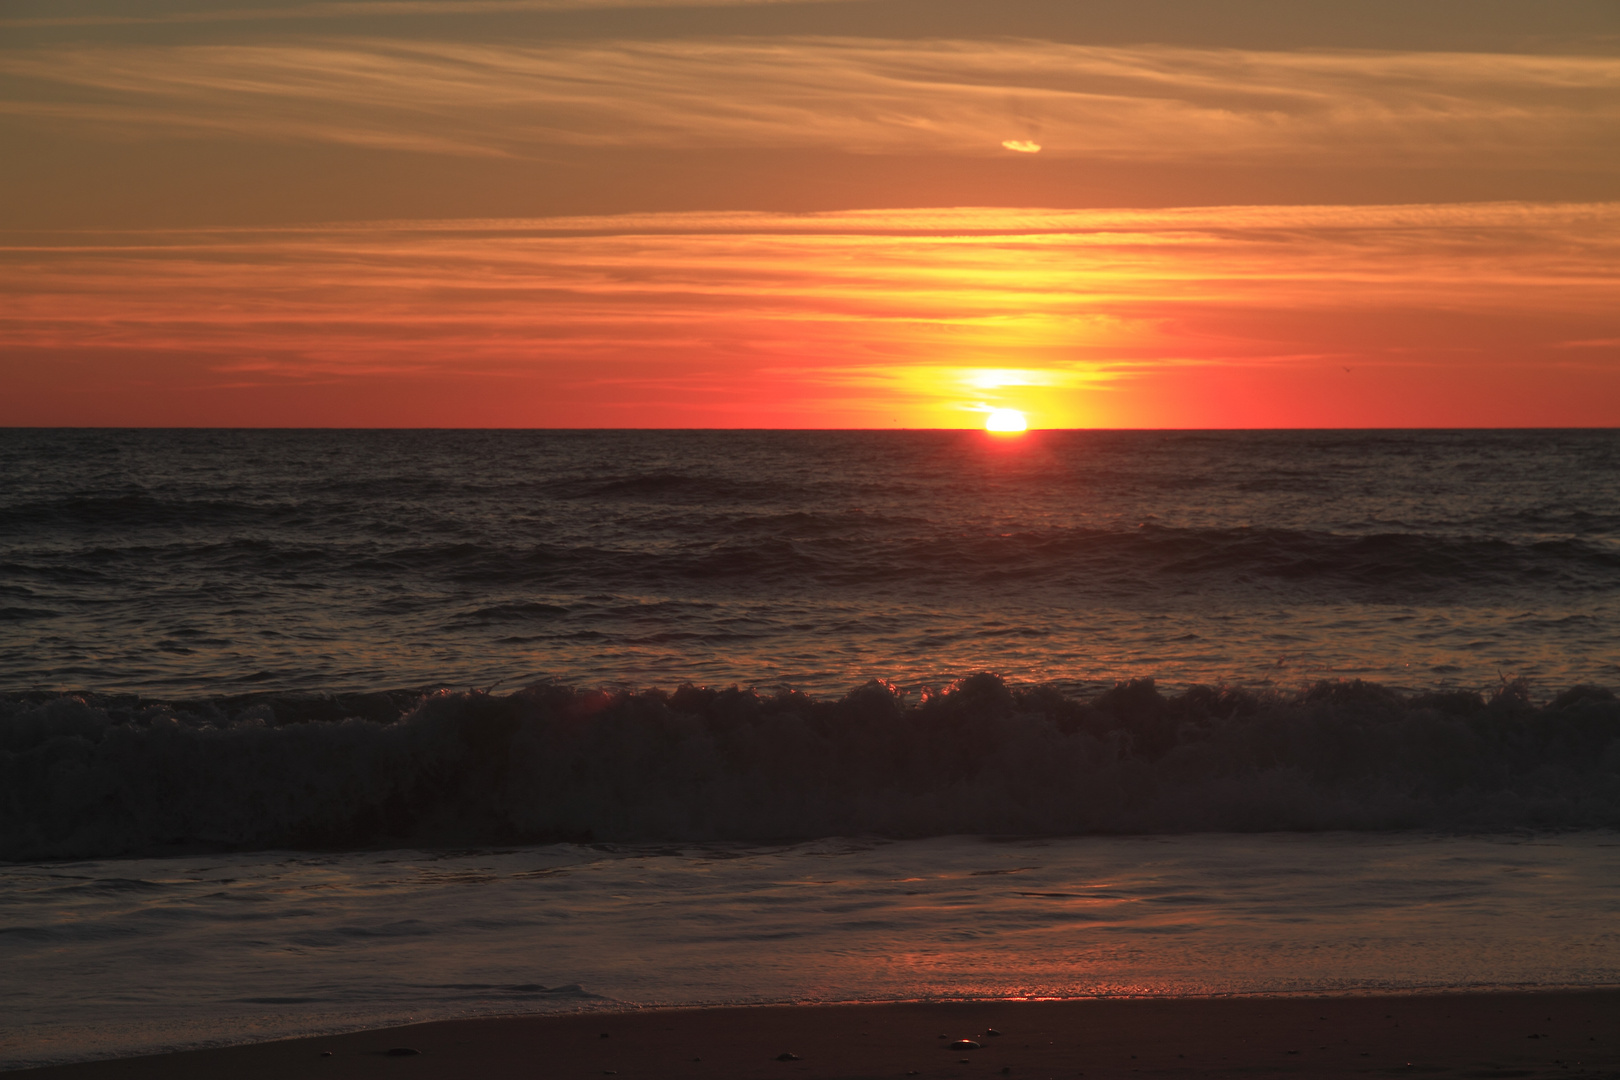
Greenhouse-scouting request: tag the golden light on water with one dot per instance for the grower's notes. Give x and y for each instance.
(1005, 421)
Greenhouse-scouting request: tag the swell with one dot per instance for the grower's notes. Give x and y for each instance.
(88, 775)
(799, 550)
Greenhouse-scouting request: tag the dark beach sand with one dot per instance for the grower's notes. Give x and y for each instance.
(1463, 1035)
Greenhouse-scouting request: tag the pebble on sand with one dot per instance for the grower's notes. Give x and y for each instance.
(964, 1044)
(788, 1055)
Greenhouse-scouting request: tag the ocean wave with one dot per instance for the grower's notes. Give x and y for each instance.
(664, 487)
(802, 551)
(94, 775)
(114, 513)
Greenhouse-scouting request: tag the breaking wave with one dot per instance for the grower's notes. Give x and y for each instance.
(97, 775)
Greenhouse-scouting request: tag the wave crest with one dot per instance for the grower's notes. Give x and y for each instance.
(94, 775)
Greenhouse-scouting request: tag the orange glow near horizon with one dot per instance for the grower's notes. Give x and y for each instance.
(615, 213)
(1226, 317)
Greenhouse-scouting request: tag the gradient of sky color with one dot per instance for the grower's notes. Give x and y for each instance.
(843, 213)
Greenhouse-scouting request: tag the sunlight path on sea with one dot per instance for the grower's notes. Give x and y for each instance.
(113, 957)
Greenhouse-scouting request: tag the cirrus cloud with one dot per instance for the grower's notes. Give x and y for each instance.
(854, 95)
(1122, 317)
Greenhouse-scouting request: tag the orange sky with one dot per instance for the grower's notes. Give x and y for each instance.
(826, 214)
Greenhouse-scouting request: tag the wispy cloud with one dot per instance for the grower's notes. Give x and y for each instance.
(363, 9)
(865, 96)
(836, 318)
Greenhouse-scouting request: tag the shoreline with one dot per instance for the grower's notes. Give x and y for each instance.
(1566, 1033)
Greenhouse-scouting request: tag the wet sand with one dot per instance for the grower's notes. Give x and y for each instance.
(1562, 1034)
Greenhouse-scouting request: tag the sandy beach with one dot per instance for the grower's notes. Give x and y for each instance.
(1566, 1034)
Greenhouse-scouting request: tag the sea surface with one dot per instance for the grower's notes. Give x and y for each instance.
(311, 731)
(203, 563)
(121, 956)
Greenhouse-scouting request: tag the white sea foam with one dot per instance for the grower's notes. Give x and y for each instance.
(114, 957)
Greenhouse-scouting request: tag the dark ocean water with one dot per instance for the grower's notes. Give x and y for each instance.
(1398, 621)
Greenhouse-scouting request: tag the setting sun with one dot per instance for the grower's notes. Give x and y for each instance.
(1005, 420)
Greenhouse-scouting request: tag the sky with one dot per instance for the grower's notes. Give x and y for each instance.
(837, 213)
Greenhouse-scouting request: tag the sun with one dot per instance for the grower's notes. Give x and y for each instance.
(1005, 421)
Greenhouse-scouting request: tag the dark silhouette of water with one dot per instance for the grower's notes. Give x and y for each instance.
(213, 562)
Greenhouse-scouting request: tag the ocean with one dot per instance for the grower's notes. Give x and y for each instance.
(312, 730)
